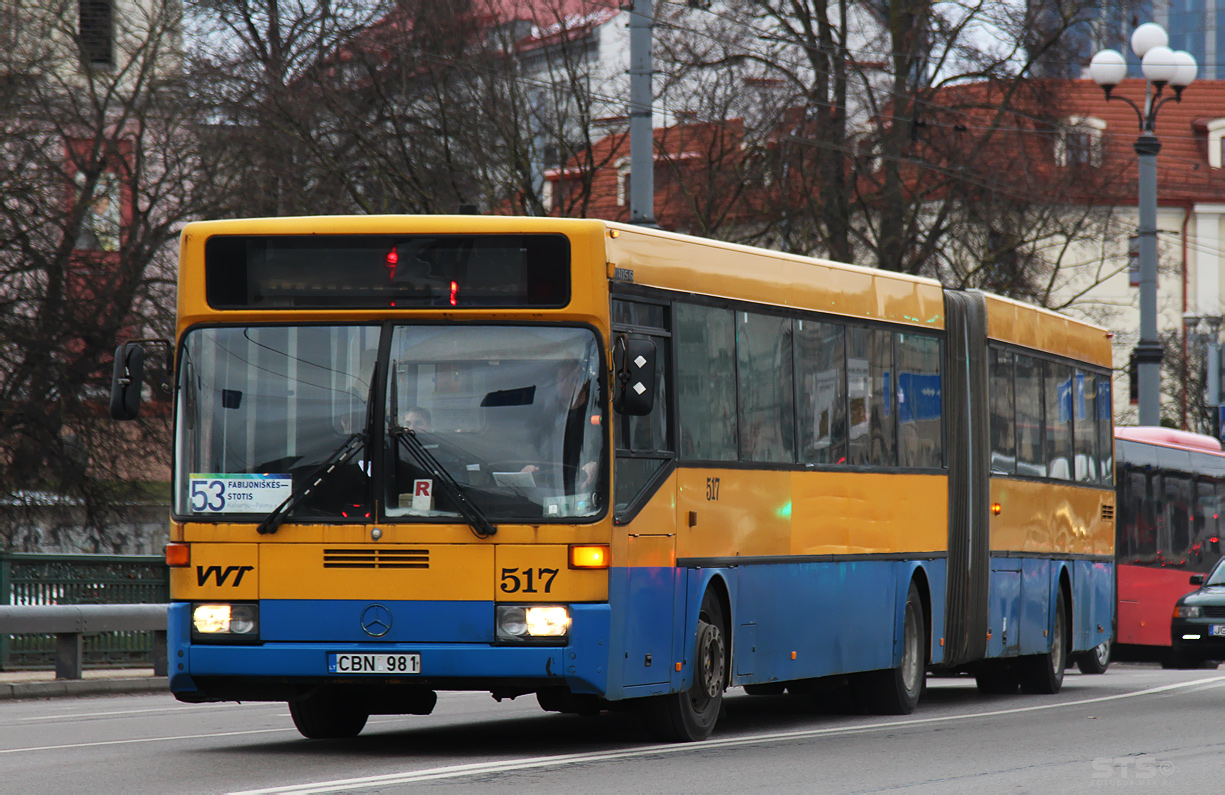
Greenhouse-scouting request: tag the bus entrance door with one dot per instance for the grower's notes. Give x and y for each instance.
(651, 594)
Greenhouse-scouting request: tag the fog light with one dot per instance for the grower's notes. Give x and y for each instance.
(525, 623)
(512, 622)
(225, 619)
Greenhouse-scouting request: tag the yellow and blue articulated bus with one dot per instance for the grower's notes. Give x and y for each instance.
(612, 466)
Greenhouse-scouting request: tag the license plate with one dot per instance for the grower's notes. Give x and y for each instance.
(1217, 630)
(374, 663)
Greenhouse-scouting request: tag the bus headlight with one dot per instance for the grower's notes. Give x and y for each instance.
(1187, 611)
(223, 621)
(547, 623)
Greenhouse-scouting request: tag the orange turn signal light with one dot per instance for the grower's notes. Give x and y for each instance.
(996, 508)
(589, 556)
(178, 554)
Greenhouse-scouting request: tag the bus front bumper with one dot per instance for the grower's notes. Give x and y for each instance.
(277, 670)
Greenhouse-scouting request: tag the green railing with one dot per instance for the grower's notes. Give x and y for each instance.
(48, 579)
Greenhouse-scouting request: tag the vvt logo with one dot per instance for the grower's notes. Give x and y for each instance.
(221, 575)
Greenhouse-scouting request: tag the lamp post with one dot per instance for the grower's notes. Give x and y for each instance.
(1161, 66)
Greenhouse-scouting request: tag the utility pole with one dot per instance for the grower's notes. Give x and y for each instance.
(642, 132)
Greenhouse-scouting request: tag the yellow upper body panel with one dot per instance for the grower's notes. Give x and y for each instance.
(1043, 330)
(727, 513)
(689, 264)
(589, 283)
(659, 259)
(1046, 518)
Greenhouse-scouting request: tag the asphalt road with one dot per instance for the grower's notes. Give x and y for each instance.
(1138, 727)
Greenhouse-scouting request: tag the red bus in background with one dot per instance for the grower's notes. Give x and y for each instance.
(1171, 487)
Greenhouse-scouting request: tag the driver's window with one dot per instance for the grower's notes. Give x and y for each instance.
(643, 444)
(507, 418)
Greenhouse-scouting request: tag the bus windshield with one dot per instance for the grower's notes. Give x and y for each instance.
(512, 415)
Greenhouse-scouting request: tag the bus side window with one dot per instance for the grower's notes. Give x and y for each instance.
(1178, 519)
(919, 400)
(705, 347)
(1002, 408)
(820, 382)
(766, 396)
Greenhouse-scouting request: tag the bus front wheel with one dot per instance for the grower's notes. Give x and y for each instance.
(325, 715)
(691, 715)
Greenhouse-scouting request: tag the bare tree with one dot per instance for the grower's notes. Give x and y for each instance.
(912, 135)
(417, 106)
(97, 172)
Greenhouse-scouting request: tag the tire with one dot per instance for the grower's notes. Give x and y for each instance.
(691, 715)
(1179, 658)
(996, 678)
(1043, 673)
(896, 691)
(325, 715)
(1096, 660)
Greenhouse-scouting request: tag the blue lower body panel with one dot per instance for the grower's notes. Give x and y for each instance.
(1023, 592)
(787, 620)
(455, 645)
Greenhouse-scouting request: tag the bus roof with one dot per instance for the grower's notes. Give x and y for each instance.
(1169, 437)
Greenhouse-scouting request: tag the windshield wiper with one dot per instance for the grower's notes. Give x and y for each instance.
(471, 512)
(339, 457)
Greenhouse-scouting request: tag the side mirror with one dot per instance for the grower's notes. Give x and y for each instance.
(1197, 579)
(634, 363)
(127, 381)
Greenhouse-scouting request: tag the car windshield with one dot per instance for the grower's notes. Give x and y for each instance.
(1217, 575)
(512, 415)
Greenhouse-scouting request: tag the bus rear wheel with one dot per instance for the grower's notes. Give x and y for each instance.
(996, 678)
(691, 715)
(896, 691)
(1043, 673)
(1096, 660)
(326, 715)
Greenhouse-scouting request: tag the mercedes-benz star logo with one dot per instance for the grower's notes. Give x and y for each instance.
(376, 621)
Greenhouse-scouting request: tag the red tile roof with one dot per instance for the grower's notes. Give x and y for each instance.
(1183, 173)
(1018, 156)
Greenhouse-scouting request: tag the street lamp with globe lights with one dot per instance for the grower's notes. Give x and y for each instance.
(1162, 67)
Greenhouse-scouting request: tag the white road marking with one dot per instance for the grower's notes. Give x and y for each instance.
(181, 709)
(563, 760)
(140, 740)
(481, 768)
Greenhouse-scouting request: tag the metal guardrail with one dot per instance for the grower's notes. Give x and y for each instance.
(71, 623)
(42, 579)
